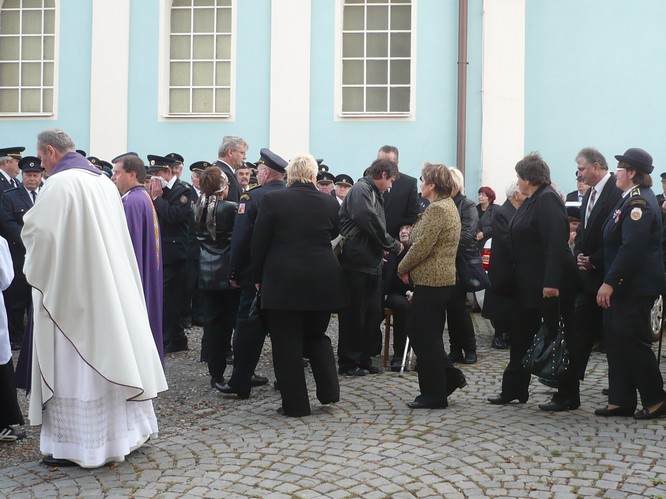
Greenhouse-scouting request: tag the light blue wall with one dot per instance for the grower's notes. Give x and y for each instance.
(73, 92)
(350, 146)
(595, 76)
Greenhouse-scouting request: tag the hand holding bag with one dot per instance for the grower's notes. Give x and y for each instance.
(255, 316)
(548, 357)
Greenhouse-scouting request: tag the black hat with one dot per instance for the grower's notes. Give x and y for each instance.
(95, 161)
(271, 160)
(663, 177)
(159, 163)
(82, 152)
(175, 156)
(344, 179)
(247, 165)
(199, 166)
(107, 168)
(573, 209)
(14, 152)
(120, 156)
(31, 164)
(324, 177)
(637, 158)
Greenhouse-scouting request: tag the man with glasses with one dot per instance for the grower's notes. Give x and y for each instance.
(230, 157)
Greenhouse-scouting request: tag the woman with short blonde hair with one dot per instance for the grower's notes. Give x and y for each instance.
(302, 169)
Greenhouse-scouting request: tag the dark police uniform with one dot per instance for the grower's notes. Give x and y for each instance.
(174, 212)
(13, 152)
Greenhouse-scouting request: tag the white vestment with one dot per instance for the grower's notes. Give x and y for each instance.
(95, 366)
(6, 277)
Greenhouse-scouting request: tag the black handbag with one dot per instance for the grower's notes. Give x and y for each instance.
(471, 273)
(255, 316)
(548, 357)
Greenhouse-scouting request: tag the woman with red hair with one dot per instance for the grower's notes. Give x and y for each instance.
(485, 208)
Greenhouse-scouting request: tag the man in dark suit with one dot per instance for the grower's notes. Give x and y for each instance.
(230, 156)
(15, 203)
(597, 205)
(581, 189)
(9, 167)
(173, 204)
(401, 202)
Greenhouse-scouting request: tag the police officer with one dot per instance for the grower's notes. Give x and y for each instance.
(247, 344)
(343, 183)
(173, 204)
(633, 278)
(9, 169)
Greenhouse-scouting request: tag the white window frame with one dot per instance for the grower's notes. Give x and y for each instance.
(164, 71)
(339, 114)
(54, 88)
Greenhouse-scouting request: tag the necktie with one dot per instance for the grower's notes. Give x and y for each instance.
(34, 197)
(590, 204)
(14, 184)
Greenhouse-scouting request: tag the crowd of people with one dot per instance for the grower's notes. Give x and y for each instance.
(236, 252)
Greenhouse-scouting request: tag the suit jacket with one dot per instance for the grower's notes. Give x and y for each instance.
(15, 203)
(573, 196)
(5, 185)
(235, 190)
(589, 238)
(291, 250)
(539, 235)
(174, 211)
(401, 204)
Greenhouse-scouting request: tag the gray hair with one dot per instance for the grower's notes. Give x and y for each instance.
(457, 179)
(591, 156)
(511, 188)
(5, 158)
(56, 138)
(230, 142)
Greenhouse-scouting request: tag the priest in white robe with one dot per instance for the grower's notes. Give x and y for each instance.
(95, 367)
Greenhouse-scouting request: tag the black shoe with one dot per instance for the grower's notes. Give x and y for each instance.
(396, 365)
(214, 381)
(615, 411)
(457, 382)
(501, 400)
(257, 380)
(499, 343)
(470, 358)
(551, 383)
(230, 359)
(10, 434)
(657, 413)
(456, 356)
(354, 371)
(175, 346)
(60, 463)
(227, 390)
(565, 405)
(605, 391)
(372, 369)
(415, 404)
(282, 412)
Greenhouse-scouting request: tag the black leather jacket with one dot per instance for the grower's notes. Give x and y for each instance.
(469, 220)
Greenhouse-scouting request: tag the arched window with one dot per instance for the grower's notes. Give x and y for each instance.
(200, 46)
(27, 55)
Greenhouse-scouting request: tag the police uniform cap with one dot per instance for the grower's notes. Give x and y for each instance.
(247, 165)
(31, 164)
(322, 166)
(271, 160)
(176, 157)
(107, 169)
(344, 179)
(573, 209)
(95, 161)
(159, 163)
(663, 177)
(82, 153)
(120, 156)
(324, 177)
(199, 166)
(637, 158)
(13, 152)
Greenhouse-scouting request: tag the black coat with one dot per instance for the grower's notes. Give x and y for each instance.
(486, 222)
(215, 254)
(5, 185)
(589, 240)
(235, 189)
(15, 204)
(291, 250)
(174, 212)
(539, 235)
(401, 204)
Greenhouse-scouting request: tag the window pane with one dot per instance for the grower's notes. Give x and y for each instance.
(401, 1)
(180, 74)
(49, 22)
(377, 18)
(352, 72)
(49, 4)
(223, 47)
(30, 100)
(377, 73)
(32, 48)
(203, 47)
(9, 49)
(179, 100)
(31, 74)
(32, 4)
(352, 45)
(377, 45)
(353, 1)
(354, 19)
(202, 74)
(223, 73)
(203, 20)
(9, 100)
(202, 100)
(181, 3)
(32, 22)
(400, 72)
(180, 21)
(48, 74)
(352, 100)
(375, 100)
(400, 100)
(224, 20)
(222, 100)
(12, 4)
(9, 22)
(49, 50)
(401, 44)
(205, 3)
(180, 47)
(47, 105)
(224, 3)
(9, 75)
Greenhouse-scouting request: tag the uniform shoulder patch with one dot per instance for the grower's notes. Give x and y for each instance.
(637, 202)
(245, 197)
(184, 199)
(635, 191)
(636, 214)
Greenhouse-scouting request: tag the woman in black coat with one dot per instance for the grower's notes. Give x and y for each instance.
(214, 220)
(543, 271)
(486, 211)
(301, 283)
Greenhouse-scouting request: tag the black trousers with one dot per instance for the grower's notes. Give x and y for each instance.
(461, 329)
(426, 331)
(192, 302)
(219, 313)
(295, 335)
(632, 364)
(174, 284)
(401, 308)
(18, 298)
(247, 344)
(358, 321)
(10, 412)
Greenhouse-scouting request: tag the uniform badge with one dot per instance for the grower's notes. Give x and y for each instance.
(183, 199)
(616, 216)
(636, 214)
(241, 208)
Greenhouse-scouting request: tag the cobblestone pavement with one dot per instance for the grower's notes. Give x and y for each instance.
(371, 445)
